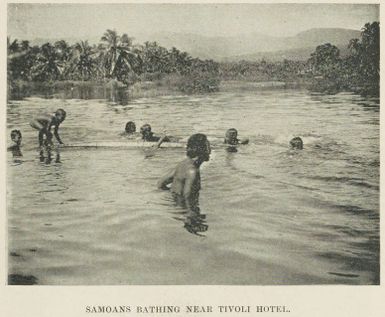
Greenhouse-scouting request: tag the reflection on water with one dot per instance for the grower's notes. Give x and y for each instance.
(16, 151)
(109, 91)
(270, 215)
(17, 279)
(193, 221)
(46, 155)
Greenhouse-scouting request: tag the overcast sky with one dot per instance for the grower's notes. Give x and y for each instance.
(28, 21)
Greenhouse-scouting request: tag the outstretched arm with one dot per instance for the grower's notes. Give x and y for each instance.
(162, 139)
(166, 179)
(56, 133)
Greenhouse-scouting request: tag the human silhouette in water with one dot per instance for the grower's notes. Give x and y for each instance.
(231, 138)
(130, 131)
(44, 123)
(15, 147)
(296, 143)
(185, 181)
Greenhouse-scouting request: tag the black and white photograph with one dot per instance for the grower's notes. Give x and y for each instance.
(192, 144)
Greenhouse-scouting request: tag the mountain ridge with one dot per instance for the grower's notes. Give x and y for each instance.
(250, 46)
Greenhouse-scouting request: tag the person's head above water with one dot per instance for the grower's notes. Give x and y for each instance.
(16, 136)
(231, 136)
(145, 131)
(296, 143)
(130, 127)
(198, 146)
(60, 115)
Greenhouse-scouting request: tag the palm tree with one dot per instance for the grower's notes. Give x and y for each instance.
(49, 65)
(117, 54)
(83, 63)
(155, 59)
(179, 61)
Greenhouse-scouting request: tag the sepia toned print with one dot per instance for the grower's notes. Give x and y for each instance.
(193, 144)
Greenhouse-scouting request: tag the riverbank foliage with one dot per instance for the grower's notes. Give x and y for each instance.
(359, 71)
(325, 71)
(263, 71)
(114, 59)
(117, 61)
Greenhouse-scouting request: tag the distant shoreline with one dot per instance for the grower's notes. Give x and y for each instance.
(148, 89)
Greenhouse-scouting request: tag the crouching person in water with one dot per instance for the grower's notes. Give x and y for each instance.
(296, 143)
(16, 139)
(44, 123)
(231, 138)
(185, 181)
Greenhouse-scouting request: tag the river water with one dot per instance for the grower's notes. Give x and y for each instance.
(274, 216)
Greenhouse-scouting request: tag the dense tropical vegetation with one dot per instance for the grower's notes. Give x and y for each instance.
(359, 71)
(116, 59)
(325, 71)
(285, 71)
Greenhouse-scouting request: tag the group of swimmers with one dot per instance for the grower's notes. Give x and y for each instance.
(183, 181)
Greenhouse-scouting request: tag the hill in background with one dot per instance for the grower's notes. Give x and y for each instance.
(248, 47)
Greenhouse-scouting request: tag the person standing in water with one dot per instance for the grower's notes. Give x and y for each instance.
(185, 180)
(44, 123)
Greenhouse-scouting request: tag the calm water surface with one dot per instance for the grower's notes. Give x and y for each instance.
(274, 216)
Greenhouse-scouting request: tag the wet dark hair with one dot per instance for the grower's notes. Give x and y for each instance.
(227, 135)
(62, 112)
(231, 130)
(145, 131)
(130, 127)
(296, 143)
(196, 145)
(145, 127)
(14, 133)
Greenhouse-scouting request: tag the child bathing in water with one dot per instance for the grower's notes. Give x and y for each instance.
(149, 136)
(44, 123)
(130, 130)
(231, 138)
(185, 179)
(130, 127)
(296, 143)
(16, 139)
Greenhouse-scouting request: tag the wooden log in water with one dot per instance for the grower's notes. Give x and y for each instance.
(122, 145)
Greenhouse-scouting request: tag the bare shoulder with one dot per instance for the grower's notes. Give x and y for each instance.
(186, 168)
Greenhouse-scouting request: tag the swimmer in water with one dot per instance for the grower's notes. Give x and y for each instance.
(44, 123)
(185, 180)
(231, 138)
(16, 139)
(148, 135)
(130, 130)
(296, 143)
(130, 127)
